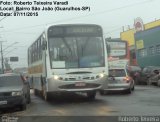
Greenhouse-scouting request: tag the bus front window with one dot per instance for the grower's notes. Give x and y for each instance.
(76, 52)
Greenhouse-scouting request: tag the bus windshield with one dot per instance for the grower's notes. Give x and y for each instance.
(76, 52)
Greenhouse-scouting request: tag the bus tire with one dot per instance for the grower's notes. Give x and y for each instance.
(102, 92)
(35, 92)
(46, 95)
(158, 83)
(91, 95)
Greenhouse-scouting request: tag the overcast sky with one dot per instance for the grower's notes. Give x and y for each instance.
(110, 14)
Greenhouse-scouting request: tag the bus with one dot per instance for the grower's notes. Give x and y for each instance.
(118, 53)
(68, 58)
(118, 49)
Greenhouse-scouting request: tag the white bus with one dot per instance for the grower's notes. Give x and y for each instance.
(68, 58)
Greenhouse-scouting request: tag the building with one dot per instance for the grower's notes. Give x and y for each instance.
(141, 43)
(148, 47)
(129, 37)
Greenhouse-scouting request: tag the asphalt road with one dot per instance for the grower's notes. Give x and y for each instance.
(145, 100)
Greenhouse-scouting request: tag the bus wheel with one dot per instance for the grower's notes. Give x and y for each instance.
(158, 83)
(45, 95)
(149, 81)
(91, 95)
(102, 92)
(35, 92)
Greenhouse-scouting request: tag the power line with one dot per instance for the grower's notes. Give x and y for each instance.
(25, 27)
(7, 52)
(102, 12)
(6, 16)
(2, 58)
(15, 46)
(84, 16)
(22, 33)
(3, 18)
(113, 30)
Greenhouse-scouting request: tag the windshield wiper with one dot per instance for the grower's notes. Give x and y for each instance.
(85, 45)
(80, 72)
(69, 48)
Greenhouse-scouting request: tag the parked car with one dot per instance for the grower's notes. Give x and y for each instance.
(154, 79)
(147, 73)
(119, 80)
(158, 83)
(135, 72)
(14, 91)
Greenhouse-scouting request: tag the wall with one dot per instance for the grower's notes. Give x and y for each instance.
(128, 36)
(149, 38)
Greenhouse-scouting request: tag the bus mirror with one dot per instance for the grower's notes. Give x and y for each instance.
(108, 49)
(44, 45)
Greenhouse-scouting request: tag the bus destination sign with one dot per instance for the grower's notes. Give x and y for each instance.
(76, 30)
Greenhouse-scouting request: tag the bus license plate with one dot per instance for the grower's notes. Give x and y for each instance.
(80, 84)
(3, 102)
(112, 81)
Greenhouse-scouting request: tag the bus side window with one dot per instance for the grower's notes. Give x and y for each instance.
(44, 45)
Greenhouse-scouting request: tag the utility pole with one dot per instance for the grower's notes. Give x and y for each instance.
(2, 50)
(2, 60)
(2, 54)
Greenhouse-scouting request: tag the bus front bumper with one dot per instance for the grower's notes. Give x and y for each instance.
(75, 86)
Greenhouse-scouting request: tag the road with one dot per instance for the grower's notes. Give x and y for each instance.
(145, 100)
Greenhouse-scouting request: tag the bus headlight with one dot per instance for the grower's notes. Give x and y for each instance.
(56, 77)
(17, 93)
(101, 75)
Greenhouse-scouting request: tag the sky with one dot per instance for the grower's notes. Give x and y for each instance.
(112, 15)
